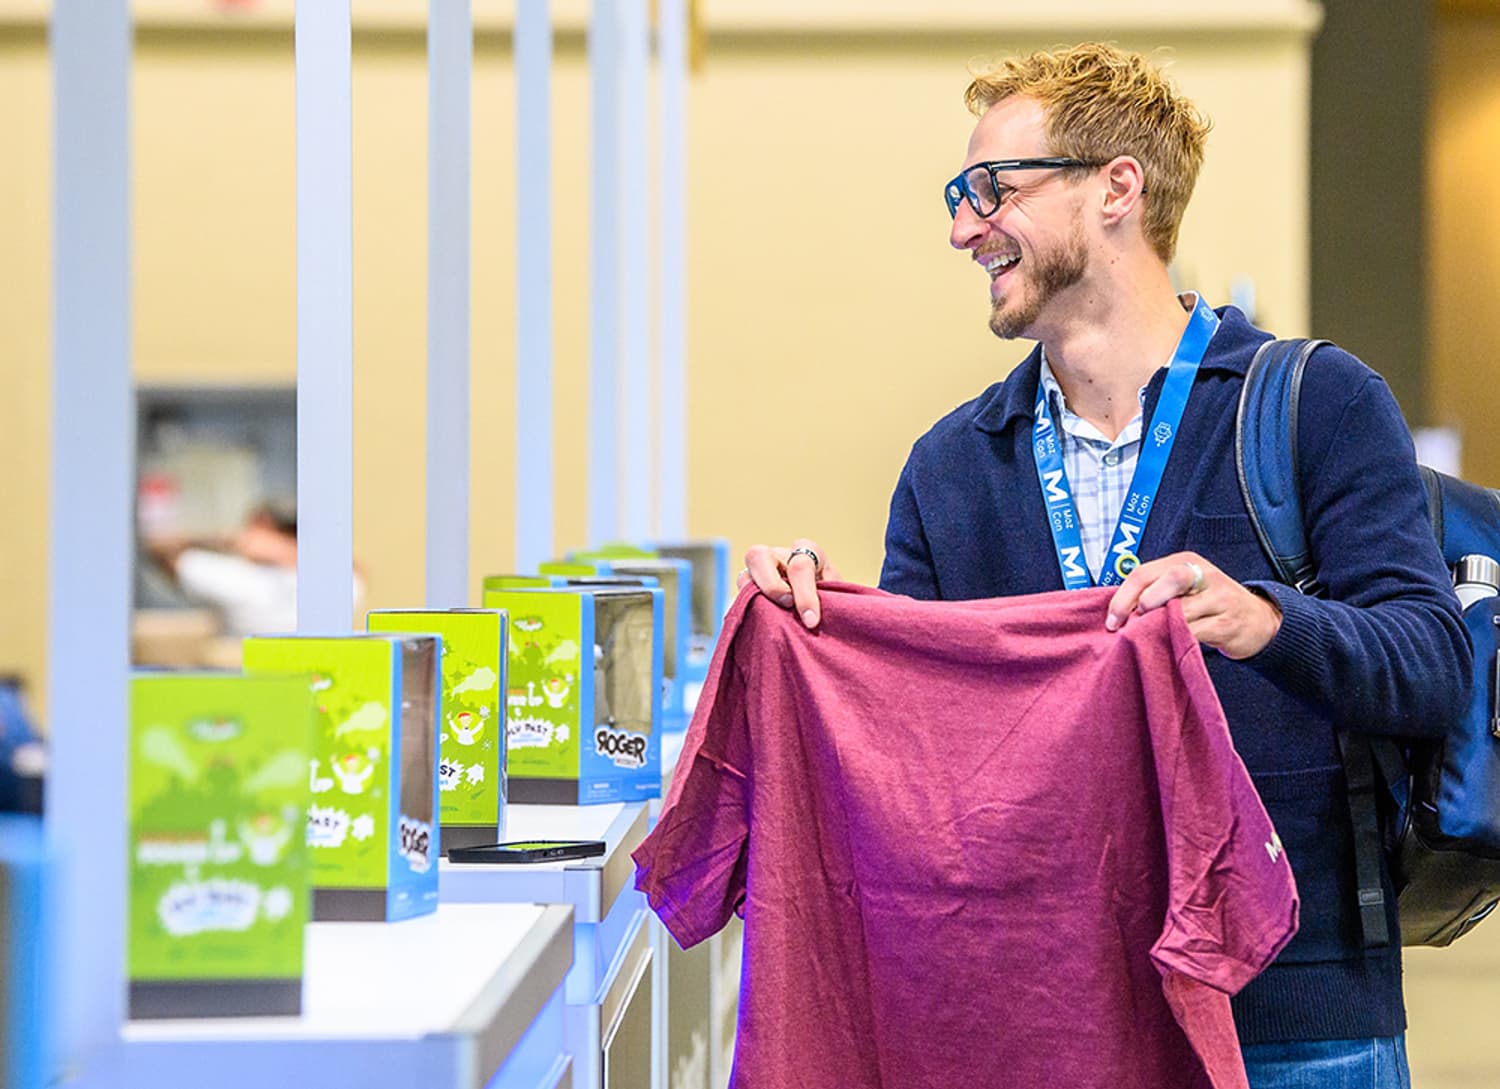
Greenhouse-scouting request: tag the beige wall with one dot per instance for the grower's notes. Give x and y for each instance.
(25, 344)
(1464, 229)
(830, 323)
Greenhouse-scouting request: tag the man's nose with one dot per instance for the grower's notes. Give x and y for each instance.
(968, 228)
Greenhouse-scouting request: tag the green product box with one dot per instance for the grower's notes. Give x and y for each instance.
(521, 582)
(676, 580)
(624, 550)
(471, 723)
(709, 557)
(711, 592)
(218, 866)
(582, 713)
(372, 825)
(573, 569)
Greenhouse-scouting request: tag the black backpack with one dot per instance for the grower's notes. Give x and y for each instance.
(1444, 840)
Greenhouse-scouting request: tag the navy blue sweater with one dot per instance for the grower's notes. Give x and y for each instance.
(1386, 653)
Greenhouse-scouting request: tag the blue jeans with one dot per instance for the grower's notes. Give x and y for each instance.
(1329, 1064)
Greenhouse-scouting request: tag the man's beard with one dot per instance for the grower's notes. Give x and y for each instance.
(1049, 274)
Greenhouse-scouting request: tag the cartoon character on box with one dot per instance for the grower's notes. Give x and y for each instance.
(468, 727)
(265, 836)
(353, 771)
(556, 690)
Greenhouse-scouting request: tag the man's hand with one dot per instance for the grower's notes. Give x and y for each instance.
(789, 576)
(1220, 612)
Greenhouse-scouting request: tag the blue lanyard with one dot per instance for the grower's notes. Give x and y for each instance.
(1156, 448)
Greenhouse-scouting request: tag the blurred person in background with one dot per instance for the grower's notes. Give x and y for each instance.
(23, 758)
(250, 578)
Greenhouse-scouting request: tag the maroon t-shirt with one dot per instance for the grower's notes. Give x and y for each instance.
(974, 843)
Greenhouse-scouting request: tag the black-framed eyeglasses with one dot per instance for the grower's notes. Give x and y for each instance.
(980, 184)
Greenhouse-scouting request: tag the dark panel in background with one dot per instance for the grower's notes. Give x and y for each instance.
(1368, 191)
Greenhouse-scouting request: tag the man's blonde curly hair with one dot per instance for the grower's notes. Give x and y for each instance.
(1102, 102)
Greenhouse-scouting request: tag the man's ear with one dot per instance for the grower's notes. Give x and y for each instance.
(1124, 185)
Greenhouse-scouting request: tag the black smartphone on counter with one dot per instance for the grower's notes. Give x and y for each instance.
(529, 850)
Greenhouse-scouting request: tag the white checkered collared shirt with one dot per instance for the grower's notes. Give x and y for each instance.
(1099, 471)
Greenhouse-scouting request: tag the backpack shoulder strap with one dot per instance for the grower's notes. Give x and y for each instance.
(1432, 484)
(1465, 517)
(1265, 448)
(1363, 762)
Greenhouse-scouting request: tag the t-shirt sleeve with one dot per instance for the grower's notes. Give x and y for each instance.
(692, 867)
(1232, 903)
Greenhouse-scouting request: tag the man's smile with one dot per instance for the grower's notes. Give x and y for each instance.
(999, 265)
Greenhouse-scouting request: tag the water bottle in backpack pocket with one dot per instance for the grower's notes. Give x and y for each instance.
(1447, 862)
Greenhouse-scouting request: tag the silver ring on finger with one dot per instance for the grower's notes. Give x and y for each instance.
(810, 554)
(1199, 582)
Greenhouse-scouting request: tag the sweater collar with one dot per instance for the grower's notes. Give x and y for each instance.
(1004, 403)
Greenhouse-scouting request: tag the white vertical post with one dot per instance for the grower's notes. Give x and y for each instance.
(634, 177)
(533, 60)
(672, 65)
(325, 318)
(93, 466)
(604, 283)
(450, 61)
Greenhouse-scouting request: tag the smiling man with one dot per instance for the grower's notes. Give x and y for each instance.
(1107, 458)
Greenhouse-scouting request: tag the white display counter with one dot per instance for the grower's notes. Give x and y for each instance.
(607, 1014)
(467, 997)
